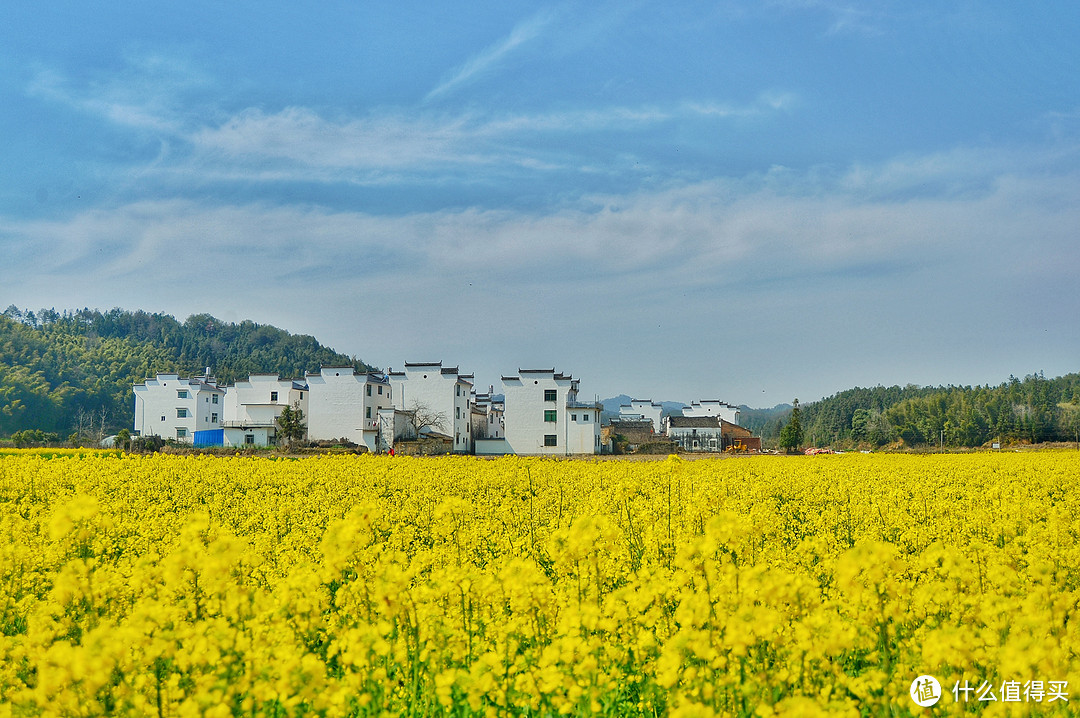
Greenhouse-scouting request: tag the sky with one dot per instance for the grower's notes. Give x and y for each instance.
(734, 200)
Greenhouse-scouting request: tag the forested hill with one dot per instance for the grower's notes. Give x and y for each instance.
(1034, 409)
(59, 370)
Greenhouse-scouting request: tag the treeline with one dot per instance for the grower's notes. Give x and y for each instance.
(1033, 409)
(70, 373)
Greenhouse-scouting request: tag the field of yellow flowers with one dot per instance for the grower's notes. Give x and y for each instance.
(796, 586)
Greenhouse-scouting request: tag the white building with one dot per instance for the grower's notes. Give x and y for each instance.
(695, 433)
(439, 390)
(542, 415)
(492, 425)
(394, 425)
(252, 408)
(713, 407)
(643, 409)
(345, 405)
(175, 408)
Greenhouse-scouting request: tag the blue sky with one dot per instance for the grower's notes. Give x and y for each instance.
(749, 201)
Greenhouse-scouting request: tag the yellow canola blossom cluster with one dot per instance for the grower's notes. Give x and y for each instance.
(355, 586)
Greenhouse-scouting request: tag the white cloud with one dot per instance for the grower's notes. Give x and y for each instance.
(151, 92)
(735, 232)
(523, 33)
(375, 146)
(865, 17)
(299, 143)
(849, 271)
(303, 137)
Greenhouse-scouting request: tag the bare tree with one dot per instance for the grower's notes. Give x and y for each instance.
(422, 416)
(103, 415)
(84, 423)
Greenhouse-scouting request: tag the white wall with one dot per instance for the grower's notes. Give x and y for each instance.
(583, 429)
(260, 399)
(440, 389)
(258, 402)
(158, 402)
(487, 416)
(237, 437)
(344, 404)
(526, 416)
(643, 409)
(713, 407)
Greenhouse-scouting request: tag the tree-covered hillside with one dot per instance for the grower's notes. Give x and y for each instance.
(61, 371)
(1033, 409)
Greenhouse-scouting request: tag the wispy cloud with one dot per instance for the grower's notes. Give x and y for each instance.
(150, 92)
(373, 146)
(696, 234)
(523, 33)
(394, 141)
(852, 249)
(866, 17)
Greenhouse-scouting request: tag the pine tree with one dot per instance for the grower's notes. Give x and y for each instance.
(791, 435)
(291, 422)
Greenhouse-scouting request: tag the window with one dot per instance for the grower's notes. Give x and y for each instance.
(380, 390)
(585, 418)
(273, 396)
(551, 415)
(551, 395)
(368, 389)
(163, 417)
(181, 432)
(457, 412)
(181, 394)
(551, 440)
(573, 417)
(367, 412)
(249, 439)
(214, 399)
(213, 418)
(181, 413)
(301, 395)
(458, 388)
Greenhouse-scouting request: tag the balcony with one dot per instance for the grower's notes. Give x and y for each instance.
(244, 424)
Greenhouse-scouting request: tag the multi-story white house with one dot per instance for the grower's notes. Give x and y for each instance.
(344, 404)
(440, 391)
(543, 415)
(252, 408)
(642, 409)
(488, 421)
(175, 408)
(713, 407)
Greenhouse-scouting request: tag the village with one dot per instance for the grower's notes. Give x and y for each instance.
(425, 408)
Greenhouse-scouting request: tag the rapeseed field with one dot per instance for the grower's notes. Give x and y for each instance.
(376, 586)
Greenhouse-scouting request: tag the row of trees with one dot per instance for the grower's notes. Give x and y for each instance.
(72, 372)
(1033, 409)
